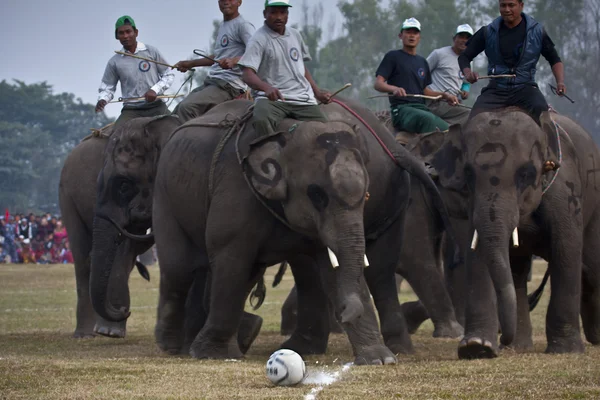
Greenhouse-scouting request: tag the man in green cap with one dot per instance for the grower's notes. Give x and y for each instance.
(224, 80)
(139, 78)
(273, 65)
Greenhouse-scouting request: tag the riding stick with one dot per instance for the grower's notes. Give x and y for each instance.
(145, 59)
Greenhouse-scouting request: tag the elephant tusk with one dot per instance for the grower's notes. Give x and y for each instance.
(366, 261)
(515, 237)
(475, 240)
(332, 258)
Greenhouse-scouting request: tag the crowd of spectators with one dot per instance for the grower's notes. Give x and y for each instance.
(33, 239)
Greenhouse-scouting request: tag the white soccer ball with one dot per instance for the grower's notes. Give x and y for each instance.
(286, 368)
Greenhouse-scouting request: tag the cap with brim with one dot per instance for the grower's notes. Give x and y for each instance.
(466, 28)
(411, 23)
(277, 3)
(124, 20)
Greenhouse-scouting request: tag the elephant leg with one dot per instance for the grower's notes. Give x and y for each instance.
(521, 265)
(562, 319)
(179, 264)
(590, 293)
(380, 276)
(455, 269)
(363, 334)
(312, 327)
(195, 310)
(231, 268)
(289, 313)
(81, 246)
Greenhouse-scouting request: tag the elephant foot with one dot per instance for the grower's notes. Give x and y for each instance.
(83, 335)
(336, 327)
(474, 348)
(305, 344)
(168, 341)
(450, 330)
(399, 344)
(414, 314)
(248, 331)
(591, 324)
(203, 348)
(375, 355)
(565, 345)
(111, 331)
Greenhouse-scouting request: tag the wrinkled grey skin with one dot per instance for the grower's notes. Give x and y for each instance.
(77, 199)
(498, 158)
(240, 236)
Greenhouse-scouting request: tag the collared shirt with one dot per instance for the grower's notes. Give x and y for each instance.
(136, 76)
(232, 38)
(279, 61)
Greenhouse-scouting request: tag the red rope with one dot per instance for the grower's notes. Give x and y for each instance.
(358, 117)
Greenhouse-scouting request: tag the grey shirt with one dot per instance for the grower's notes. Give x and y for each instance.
(136, 76)
(445, 72)
(279, 61)
(232, 38)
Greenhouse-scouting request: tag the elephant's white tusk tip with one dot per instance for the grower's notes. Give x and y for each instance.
(366, 261)
(475, 240)
(515, 237)
(332, 258)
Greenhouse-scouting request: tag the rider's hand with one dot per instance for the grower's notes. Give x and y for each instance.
(323, 96)
(399, 92)
(183, 66)
(450, 99)
(561, 89)
(226, 63)
(464, 94)
(100, 105)
(150, 96)
(471, 76)
(273, 94)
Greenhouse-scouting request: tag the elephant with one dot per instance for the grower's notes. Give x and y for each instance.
(122, 194)
(535, 184)
(211, 214)
(77, 198)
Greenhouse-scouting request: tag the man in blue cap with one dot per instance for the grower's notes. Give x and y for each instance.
(513, 44)
(139, 78)
(403, 73)
(273, 65)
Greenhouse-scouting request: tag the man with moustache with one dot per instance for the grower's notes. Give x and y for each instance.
(224, 77)
(403, 72)
(273, 66)
(513, 44)
(446, 76)
(139, 78)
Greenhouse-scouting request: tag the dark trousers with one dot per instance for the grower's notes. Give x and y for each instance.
(268, 114)
(205, 97)
(527, 97)
(147, 110)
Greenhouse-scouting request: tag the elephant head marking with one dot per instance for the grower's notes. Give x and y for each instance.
(265, 167)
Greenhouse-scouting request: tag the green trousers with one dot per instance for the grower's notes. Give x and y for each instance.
(205, 97)
(268, 114)
(151, 110)
(416, 118)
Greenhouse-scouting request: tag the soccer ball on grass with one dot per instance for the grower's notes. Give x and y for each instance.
(286, 368)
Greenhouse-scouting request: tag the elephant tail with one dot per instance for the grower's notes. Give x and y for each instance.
(534, 298)
(279, 276)
(257, 297)
(143, 270)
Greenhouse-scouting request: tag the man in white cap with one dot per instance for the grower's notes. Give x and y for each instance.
(224, 80)
(446, 76)
(273, 65)
(403, 73)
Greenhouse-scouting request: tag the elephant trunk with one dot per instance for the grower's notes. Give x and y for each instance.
(349, 250)
(493, 250)
(108, 284)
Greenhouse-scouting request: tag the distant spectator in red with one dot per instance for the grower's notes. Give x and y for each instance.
(66, 257)
(26, 255)
(60, 232)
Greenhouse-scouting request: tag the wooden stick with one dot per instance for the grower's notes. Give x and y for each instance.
(145, 59)
(422, 96)
(497, 76)
(346, 86)
(124, 99)
(198, 53)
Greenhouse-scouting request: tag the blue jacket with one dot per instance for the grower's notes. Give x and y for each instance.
(526, 67)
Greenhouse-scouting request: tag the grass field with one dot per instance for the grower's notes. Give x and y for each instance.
(38, 358)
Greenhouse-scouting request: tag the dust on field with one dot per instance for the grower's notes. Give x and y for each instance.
(38, 358)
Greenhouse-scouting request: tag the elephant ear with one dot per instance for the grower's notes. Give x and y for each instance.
(161, 127)
(449, 159)
(264, 167)
(552, 141)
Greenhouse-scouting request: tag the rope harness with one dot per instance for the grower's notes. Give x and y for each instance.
(550, 165)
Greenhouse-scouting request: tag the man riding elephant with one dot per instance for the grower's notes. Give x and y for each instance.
(446, 76)
(273, 66)
(403, 73)
(513, 44)
(139, 78)
(224, 76)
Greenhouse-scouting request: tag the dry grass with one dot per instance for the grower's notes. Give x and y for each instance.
(38, 359)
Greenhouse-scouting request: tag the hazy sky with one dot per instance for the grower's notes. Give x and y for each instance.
(68, 42)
